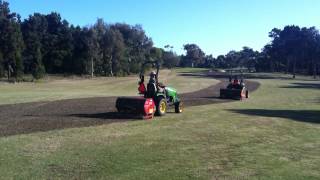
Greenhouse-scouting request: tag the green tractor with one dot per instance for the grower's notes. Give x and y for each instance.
(155, 97)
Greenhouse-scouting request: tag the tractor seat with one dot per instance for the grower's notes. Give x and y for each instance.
(151, 90)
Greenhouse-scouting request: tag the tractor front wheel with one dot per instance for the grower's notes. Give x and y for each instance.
(178, 107)
(161, 107)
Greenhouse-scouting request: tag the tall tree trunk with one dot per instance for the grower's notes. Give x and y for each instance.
(9, 74)
(294, 68)
(314, 64)
(92, 67)
(318, 69)
(111, 66)
(288, 65)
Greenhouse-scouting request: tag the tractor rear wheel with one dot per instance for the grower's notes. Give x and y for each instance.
(161, 107)
(178, 107)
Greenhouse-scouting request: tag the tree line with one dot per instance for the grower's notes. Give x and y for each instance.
(46, 43)
(291, 50)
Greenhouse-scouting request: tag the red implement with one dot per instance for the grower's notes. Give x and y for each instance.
(140, 106)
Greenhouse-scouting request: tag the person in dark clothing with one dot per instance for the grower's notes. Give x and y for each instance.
(152, 77)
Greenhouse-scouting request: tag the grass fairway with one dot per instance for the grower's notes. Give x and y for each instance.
(56, 88)
(273, 135)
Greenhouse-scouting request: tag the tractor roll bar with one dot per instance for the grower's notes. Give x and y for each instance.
(154, 64)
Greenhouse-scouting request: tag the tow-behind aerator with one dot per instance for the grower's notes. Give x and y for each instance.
(154, 99)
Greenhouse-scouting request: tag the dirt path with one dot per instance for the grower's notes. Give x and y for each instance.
(45, 116)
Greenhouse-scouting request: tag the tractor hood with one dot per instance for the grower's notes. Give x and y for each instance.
(171, 91)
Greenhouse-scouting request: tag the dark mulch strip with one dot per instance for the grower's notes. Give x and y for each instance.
(45, 116)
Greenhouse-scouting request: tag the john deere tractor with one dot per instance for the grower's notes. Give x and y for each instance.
(155, 98)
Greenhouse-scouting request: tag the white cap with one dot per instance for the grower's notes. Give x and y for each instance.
(152, 73)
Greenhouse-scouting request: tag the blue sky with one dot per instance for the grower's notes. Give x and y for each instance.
(217, 26)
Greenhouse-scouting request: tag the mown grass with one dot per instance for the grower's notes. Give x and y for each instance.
(69, 88)
(260, 138)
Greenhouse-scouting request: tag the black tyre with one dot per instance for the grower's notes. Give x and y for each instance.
(247, 94)
(178, 107)
(222, 94)
(161, 107)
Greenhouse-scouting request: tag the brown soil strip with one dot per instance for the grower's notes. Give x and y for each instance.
(45, 116)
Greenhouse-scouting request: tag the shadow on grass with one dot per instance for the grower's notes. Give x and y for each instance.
(266, 76)
(309, 116)
(109, 115)
(190, 72)
(220, 75)
(212, 97)
(196, 75)
(303, 86)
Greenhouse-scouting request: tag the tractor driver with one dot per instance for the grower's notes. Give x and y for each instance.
(235, 81)
(152, 77)
(236, 84)
(160, 87)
